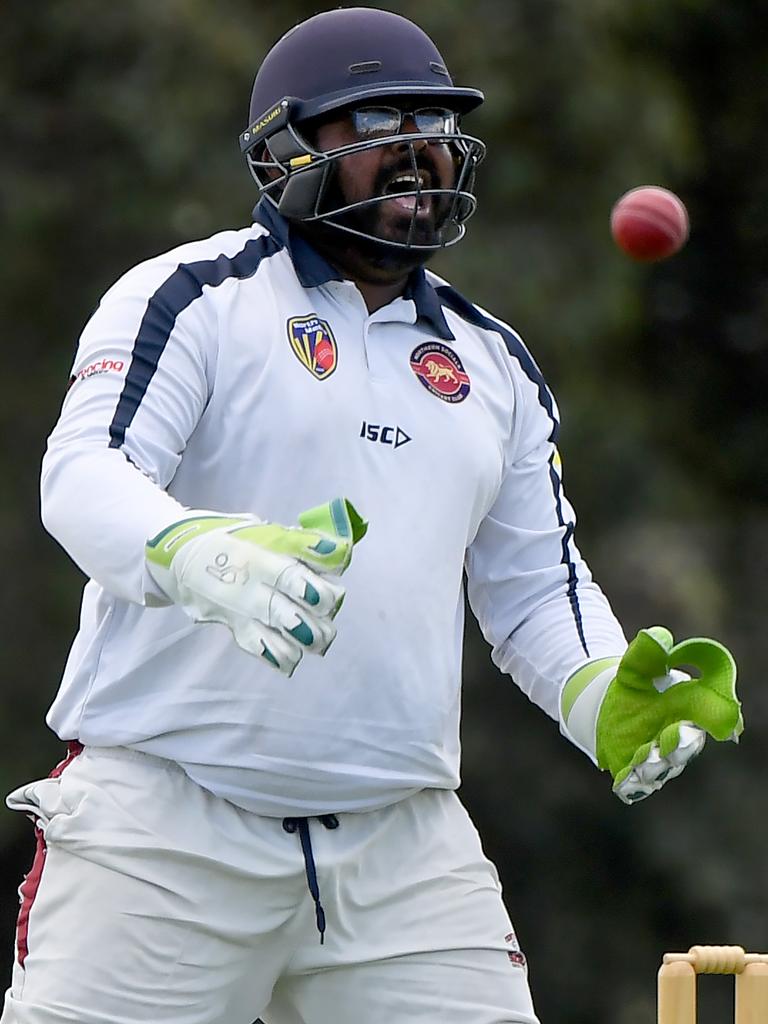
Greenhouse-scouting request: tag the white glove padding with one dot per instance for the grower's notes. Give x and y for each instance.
(655, 770)
(254, 578)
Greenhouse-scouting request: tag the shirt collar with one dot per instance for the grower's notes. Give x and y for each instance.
(428, 304)
(311, 268)
(314, 270)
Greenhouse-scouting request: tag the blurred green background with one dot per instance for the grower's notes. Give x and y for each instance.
(120, 124)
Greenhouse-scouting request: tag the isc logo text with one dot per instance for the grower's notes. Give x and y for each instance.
(396, 437)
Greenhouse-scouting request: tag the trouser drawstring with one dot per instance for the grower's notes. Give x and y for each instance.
(301, 825)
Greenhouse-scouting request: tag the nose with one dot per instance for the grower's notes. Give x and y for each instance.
(408, 127)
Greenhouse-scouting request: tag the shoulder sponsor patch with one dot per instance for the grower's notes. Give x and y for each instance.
(313, 344)
(440, 371)
(515, 954)
(97, 368)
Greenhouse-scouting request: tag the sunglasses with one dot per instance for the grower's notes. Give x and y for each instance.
(378, 122)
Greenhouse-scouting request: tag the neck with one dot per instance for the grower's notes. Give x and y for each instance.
(380, 273)
(378, 295)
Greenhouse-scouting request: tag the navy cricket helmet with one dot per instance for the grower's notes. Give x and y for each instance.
(356, 59)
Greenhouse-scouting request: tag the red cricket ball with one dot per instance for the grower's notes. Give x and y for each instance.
(649, 223)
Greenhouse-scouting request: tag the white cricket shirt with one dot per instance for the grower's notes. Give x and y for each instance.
(241, 374)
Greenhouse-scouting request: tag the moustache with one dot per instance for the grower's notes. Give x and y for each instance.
(422, 166)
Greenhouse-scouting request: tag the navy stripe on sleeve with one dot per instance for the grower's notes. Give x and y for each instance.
(459, 304)
(178, 291)
(467, 311)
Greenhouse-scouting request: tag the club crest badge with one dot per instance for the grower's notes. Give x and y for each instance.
(440, 371)
(313, 344)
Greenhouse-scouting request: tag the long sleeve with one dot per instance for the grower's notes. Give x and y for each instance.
(139, 384)
(531, 590)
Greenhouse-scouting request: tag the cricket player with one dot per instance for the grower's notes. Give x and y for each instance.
(257, 814)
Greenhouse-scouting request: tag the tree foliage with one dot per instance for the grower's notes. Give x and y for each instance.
(120, 140)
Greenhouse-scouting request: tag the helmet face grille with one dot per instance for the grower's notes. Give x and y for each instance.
(298, 180)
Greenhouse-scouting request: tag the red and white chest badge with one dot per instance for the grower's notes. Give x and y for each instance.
(440, 371)
(313, 344)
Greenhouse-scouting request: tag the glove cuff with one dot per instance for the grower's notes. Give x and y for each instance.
(580, 701)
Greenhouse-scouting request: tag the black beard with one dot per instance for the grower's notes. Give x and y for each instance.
(367, 259)
(375, 252)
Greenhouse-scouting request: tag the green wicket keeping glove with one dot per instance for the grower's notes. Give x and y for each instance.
(261, 580)
(643, 719)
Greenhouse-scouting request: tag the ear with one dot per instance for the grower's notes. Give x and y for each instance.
(270, 171)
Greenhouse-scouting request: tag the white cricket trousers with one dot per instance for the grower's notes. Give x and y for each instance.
(153, 901)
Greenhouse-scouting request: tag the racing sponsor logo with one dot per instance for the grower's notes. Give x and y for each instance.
(313, 345)
(94, 369)
(515, 954)
(440, 371)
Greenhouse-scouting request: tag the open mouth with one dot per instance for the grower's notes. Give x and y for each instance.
(405, 188)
